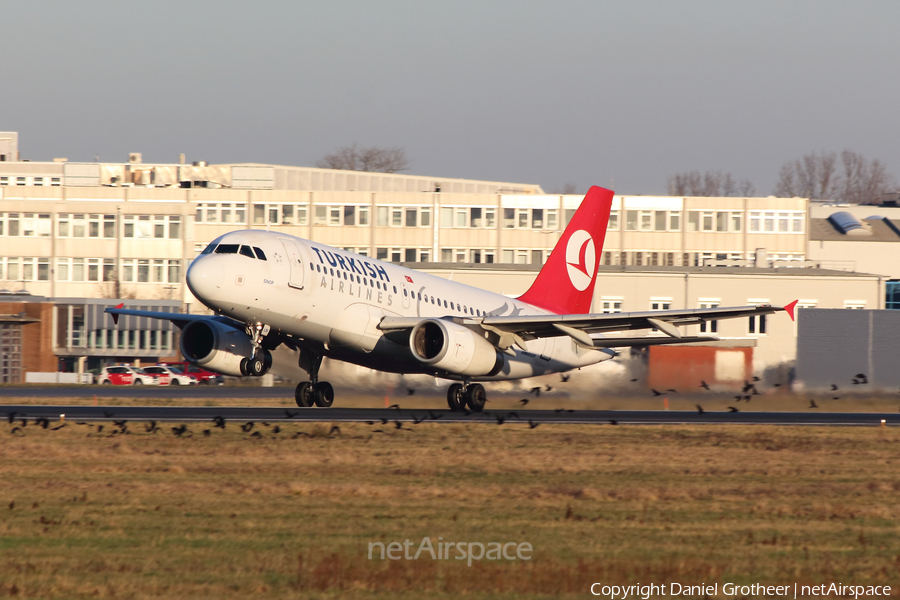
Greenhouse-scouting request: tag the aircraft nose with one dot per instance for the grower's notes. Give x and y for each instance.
(205, 276)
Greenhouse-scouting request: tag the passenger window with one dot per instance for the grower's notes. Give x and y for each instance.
(246, 251)
(259, 253)
(227, 249)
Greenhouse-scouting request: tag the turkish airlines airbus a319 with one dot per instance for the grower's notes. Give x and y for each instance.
(268, 289)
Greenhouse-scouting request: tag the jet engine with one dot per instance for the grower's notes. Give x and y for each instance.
(216, 346)
(447, 346)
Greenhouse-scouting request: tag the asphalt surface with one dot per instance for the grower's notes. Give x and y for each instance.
(385, 415)
(145, 391)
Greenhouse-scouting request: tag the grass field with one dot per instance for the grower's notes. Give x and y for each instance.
(291, 514)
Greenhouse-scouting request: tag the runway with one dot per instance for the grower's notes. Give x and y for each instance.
(145, 391)
(384, 415)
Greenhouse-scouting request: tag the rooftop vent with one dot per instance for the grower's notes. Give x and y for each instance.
(849, 225)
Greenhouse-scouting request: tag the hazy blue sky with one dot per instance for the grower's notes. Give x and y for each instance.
(613, 93)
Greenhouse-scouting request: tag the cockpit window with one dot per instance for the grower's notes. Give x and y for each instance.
(259, 253)
(227, 249)
(247, 251)
(209, 249)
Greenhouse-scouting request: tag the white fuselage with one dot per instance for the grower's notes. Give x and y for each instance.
(309, 291)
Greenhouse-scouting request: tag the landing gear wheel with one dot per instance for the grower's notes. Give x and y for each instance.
(323, 394)
(455, 398)
(256, 366)
(476, 397)
(304, 394)
(245, 370)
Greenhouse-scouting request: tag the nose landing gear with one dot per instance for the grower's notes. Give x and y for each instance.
(260, 360)
(465, 394)
(313, 392)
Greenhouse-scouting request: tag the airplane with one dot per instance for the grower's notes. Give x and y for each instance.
(267, 289)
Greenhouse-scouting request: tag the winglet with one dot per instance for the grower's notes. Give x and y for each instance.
(122, 305)
(789, 309)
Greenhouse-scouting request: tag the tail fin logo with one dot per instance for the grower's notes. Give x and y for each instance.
(581, 259)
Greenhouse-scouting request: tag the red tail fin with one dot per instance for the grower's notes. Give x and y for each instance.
(566, 283)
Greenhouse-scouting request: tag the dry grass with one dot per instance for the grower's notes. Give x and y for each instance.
(283, 515)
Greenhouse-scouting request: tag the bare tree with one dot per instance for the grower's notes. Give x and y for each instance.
(374, 159)
(566, 189)
(812, 176)
(820, 176)
(711, 183)
(864, 182)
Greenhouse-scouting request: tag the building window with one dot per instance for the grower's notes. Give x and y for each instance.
(757, 323)
(613, 223)
(509, 218)
(660, 303)
(855, 304)
(709, 326)
(892, 291)
(693, 221)
(631, 220)
(611, 304)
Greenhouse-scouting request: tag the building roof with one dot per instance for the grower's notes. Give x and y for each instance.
(879, 229)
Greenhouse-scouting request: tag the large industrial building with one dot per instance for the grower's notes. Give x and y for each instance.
(87, 234)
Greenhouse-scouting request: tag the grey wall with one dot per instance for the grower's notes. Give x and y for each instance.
(834, 345)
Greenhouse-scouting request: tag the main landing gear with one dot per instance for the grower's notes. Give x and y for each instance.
(313, 392)
(260, 360)
(468, 394)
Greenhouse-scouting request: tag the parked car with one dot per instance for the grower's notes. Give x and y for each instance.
(202, 376)
(169, 375)
(124, 375)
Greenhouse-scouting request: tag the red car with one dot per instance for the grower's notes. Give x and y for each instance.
(202, 376)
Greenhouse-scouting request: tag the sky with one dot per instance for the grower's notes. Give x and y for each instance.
(620, 94)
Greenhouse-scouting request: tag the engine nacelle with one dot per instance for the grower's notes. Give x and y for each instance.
(215, 346)
(450, 347)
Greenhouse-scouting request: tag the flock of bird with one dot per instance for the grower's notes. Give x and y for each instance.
(749, 390)
(120, 427)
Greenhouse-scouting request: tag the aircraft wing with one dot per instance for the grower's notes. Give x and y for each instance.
(179, 319)
(516, 329)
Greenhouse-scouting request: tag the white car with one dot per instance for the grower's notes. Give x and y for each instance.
(170, 375)
(124, 375)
